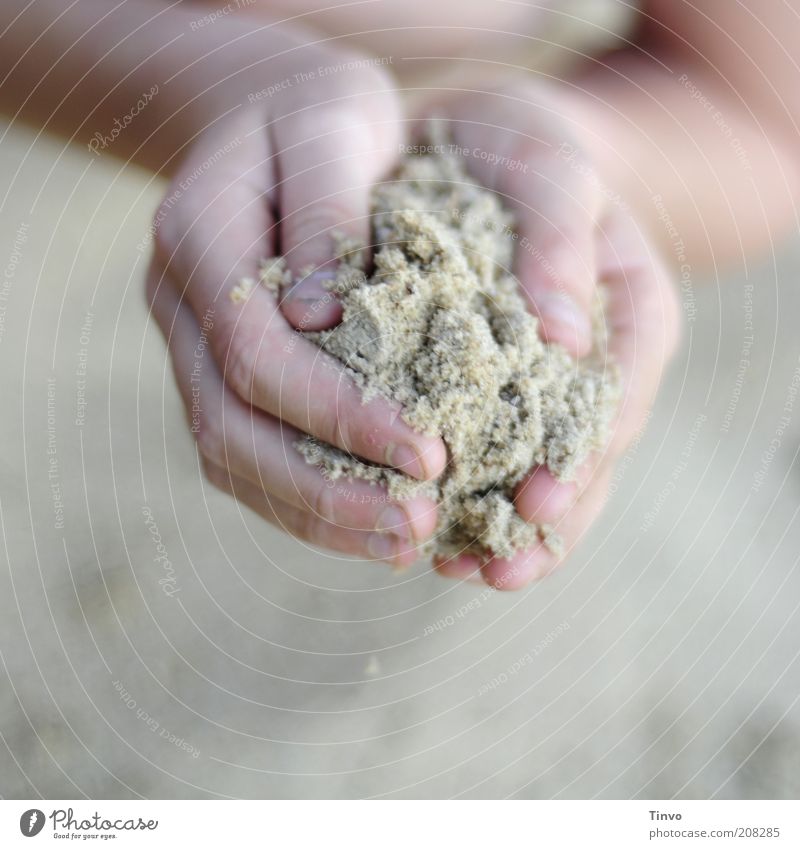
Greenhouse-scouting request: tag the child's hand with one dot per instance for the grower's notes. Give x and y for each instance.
(573, 235)
(276, 176)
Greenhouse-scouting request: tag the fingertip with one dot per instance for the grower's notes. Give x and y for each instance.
(541, 498)
(462, 567)
(564, 322)
(391, 549)
(434, 458)
(407, 555)
(308, 314)
(560, 281)
(423, 458)
(519, 571)
(309, 305)
(423, 517)
(413, 519)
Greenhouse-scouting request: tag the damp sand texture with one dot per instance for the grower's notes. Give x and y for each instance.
(440, 325)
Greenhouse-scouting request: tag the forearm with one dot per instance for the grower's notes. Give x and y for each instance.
(714, 182)
(696, 126)
(87, 67)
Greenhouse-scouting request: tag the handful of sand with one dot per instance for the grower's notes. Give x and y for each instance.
(440, 325)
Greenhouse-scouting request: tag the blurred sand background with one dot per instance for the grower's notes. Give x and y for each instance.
(663, 661)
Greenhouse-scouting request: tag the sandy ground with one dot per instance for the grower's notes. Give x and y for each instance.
(662, 662)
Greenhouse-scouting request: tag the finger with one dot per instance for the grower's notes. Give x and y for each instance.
(297, 382)
(541, 498)
(216, 223)
(642, 318)
(306, 526)
(555, 259)
(259, 448)
(264, 360)
(462, 567)
(555, 198)
(262, 450)
(330, 156)
(519, 571)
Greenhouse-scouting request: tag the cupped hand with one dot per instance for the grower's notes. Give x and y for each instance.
(574, 237)
(279, 174)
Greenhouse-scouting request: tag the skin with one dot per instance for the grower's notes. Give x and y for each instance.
(587, 240)
(304, 159)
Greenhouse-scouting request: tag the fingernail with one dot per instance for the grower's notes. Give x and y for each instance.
(382, 546)
(393, 518)
(309, 305)
(406, 459)
(560, 308)
(311, 288)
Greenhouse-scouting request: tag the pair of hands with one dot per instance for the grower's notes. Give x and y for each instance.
(281, 172)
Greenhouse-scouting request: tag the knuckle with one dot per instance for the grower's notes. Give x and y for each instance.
(570, 269)
(215, 475)
(380, 90)
(326, 120)
(357, 73)
(238, 358)
(328, 429)
(323, 502)
(363, 98)
(334, 426)
(318, 218)
(210, 441)
(373, 71)
(305, 525)
(167, 231)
